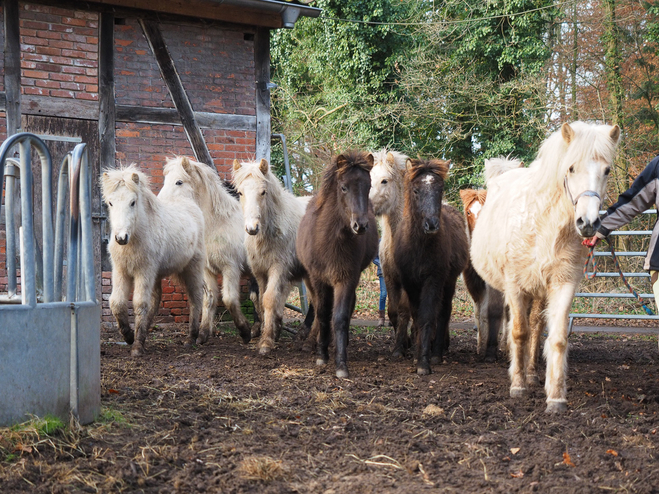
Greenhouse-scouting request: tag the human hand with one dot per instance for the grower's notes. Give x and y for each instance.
(591, 242)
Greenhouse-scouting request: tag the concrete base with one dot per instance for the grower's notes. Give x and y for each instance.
(50, 361)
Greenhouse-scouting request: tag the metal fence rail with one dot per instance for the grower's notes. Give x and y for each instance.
(610, 295)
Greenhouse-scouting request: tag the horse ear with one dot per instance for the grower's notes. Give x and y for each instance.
(465, 195)
(615, 134)
(263, 166)
(370, 161)
(236, 165)
(444, 167)
(136, 178)
(341, 161)
(390, 158)
(409, 165)
(567, 132)
(185, 163)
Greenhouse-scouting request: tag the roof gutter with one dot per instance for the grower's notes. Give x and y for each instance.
(289, 12)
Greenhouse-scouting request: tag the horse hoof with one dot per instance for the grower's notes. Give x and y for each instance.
(342, 372)
(129, 338)
(264, 350)
(435, 360)
(321, 361)
(556, 406)
(137, 350)
(517, 392)
(398, 353)
(490, 359)
(246, 335)
(423, 371)
(202, 338)
(256, 330)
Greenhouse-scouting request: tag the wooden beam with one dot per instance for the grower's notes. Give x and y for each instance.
(106, 94)
(169, 116)
(204, 10)
(262, 69)
(12, 66)
(60, 107)
(176, 90)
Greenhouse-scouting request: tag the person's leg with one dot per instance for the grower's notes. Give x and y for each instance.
(654, 280)
(383, 300)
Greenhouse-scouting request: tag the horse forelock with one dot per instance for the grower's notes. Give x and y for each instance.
(420, 167)
(555, 157)
(395, 168)
(113, 179)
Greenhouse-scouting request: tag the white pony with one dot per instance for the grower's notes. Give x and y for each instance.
(151, 238)
(272, 215)
(386, 195)
(224, 237)
(527, 241)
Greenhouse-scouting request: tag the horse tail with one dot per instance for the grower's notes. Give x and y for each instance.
(495, 167)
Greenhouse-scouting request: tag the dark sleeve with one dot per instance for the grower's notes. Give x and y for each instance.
(639, 197)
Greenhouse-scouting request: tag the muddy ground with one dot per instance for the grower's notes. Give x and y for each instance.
(219, 418)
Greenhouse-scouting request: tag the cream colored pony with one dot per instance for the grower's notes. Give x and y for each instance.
(224, 238)
(272, 215)
(387, 195)
(151, 238)
(527, 241)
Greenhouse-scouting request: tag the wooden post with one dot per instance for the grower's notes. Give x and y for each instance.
(262, 68)
(12, 66)
(177, 91)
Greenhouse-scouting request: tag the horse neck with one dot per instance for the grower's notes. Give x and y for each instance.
(279, 210)
(556, 219)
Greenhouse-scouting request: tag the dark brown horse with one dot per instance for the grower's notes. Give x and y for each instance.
(430, 251)
(336, 240)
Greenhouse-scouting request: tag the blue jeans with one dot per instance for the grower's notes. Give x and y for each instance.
(383, 286)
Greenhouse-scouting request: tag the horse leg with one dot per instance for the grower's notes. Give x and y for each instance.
(311, 339)
(193, 279)
(273, 300)
(323, 299)
(305, 328)
(537, 324)
(426, 321)
(143, 307)
(209, 305)
(518, 337)
(231, 300)
(559, 300)
(255, 297)
(495, 319)
(443, 317)
(121, 287)
(344, 304)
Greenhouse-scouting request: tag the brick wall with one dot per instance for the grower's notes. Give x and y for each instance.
(59, 59)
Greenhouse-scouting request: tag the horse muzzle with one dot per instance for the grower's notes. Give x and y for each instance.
(121, 239)
(359, 228)
(586, 228)
(430, 227)
(252, 229)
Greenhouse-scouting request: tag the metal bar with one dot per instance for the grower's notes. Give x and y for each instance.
(612, 316)
(615, 275)
(614, 295)
(80, 155)
(46, 137)
(10, 225)
(621, 254)
(60, 223)
(28, 275)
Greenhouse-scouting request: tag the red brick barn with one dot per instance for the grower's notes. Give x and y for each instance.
(140, 81)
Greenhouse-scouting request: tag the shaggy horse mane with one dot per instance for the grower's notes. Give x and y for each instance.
(555, 157)
(221, 200)
(113, 178)
(349, 159)
(418, 166)
(398, 165)
(469, 196)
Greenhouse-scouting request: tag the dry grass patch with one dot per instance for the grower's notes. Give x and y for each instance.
(262, 468)
(287, 372)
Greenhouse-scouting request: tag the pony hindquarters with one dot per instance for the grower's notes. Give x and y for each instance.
(337, 240)
(160, 239)
(223, 238)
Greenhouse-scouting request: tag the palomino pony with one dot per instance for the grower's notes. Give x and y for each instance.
(151, 238)
(336, 241)
(271, 215)
(431, 251)
(527, 241)
(387, 198)
(488, 302)
(224, 238)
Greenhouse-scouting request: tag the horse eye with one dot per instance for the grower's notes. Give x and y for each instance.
(132, 204)
(109, 204)
(263, 193)
(344, 189)
(468, 213)
(240, 193)
(572, 169)
(607, 171)
(384, 181)
(179, 182)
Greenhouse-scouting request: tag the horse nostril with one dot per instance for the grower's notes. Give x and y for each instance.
(597, 224)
